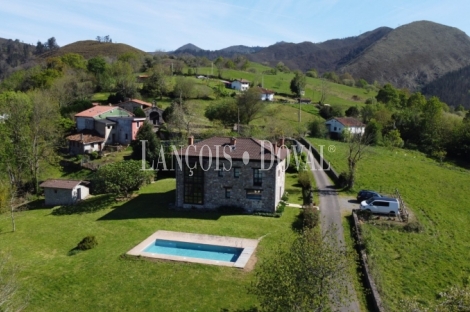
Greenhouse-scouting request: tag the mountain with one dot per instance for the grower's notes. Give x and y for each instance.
(453, 88)
(93, 48)
(325, 56)
(188, 47)
(226, 52)
(412, 55)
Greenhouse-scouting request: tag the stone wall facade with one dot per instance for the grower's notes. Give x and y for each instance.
(57, 196)
(223, 188)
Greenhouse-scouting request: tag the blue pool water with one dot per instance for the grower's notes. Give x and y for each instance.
(194, 250)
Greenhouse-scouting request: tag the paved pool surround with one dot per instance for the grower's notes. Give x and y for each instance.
(248, 245)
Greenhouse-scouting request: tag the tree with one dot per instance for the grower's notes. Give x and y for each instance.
(145, 133)
(431, 126)
(74, 60)
(373, 130)
(304, 277)
(358, 147)
(183, 89)
(52, 44)
(219, 64)
(97, 65)
(122, 177)
(388, 95)
(157, 83)
(393, 139)
(298, 83)
(225, 111)
(352, 111)
(250, 105)
(317, 128)
(324, 91)
(124, 78)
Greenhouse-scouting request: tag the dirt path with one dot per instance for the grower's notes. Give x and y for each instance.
(330, 211)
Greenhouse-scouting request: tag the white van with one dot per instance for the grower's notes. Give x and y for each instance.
(383, 205)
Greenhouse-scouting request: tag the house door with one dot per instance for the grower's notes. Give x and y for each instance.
(79, 194)
(114, 138)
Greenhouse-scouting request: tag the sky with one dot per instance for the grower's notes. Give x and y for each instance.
(165, 25)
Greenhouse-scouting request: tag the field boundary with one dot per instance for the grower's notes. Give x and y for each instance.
(376, 300)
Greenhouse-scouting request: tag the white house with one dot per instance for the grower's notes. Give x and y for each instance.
(339, 124)
(240, 84)
(266, 95)
(64, 192)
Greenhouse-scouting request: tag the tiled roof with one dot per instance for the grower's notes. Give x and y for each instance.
(244, 148)
(266, 91)
(62, 184)
(95, 111)
(86, 137)
(138, 102)
(350, 122)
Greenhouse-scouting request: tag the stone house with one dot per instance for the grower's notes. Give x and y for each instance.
(132, 104)
(240, 84)
(103, 125)
(221, 171)
(64, 192)
(337, 125)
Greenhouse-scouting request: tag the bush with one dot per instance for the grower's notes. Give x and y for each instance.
(89, 242)
(343, 179)
(280, 207)
(285, 197)
(305, 178)
(371, 100)
(310, 217)
(94, 155)
(414, 226)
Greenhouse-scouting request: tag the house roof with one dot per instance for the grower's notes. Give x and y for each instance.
(266, 91)
(138, 102)
(95, 111)
(244, 148)
(86, 137)
(348, 121)
(62, 184)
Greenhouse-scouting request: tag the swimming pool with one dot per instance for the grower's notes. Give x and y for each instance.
(194, 250)
(197, 248)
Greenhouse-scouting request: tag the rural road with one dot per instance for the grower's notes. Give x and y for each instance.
(330, 212)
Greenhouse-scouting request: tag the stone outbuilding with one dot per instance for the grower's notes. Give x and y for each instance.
(230, 172)
(64, 192)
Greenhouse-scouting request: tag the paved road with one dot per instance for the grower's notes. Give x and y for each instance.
(331, 215)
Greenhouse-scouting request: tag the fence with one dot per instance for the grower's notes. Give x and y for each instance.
(404, 214)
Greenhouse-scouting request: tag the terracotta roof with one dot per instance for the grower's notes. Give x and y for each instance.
(95, 111)
(266, 91)
(62, 184)
(86, 137)
(349, 122)
(243, 146)
(137, 101)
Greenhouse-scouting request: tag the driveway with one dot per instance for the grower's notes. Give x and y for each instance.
(331, 206)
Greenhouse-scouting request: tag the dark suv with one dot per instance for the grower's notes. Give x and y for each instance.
(365, 194)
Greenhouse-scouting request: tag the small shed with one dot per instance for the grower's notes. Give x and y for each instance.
(64, 192)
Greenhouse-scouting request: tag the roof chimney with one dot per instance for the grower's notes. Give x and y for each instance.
(191, 140)
(282, 142)
(81, 137)
(233, 141)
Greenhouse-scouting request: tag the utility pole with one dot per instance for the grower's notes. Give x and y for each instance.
(238, 123)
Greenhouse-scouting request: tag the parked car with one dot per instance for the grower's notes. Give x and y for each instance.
(366, 194)
(382, 205)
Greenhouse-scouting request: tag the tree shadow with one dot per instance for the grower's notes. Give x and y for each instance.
(157, 205)
(33, 205)
(89, 205)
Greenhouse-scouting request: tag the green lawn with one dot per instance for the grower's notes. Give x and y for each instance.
(410, 264)
(100, 279)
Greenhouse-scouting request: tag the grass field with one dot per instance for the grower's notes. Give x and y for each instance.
(100, 279)
(411, 264)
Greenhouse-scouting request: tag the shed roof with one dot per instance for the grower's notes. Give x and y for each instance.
(86, 137)
(62, 184)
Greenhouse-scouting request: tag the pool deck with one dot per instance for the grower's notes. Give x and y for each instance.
(248, 245)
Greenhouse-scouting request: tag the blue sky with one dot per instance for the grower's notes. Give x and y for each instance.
(165, 25)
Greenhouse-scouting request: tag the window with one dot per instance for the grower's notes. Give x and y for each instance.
(236, 172)
(228, 192)
(381, 204)
(257, 177)
(193, 185)
(92, 145)
(253, 194)
(335, 128)
(126, 136)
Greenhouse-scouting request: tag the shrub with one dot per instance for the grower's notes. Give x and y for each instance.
(94, 155)
(285, 197)
(343, 179)
(310, 217)
(280, 207)
(305, 178)
(413, 226)
(89, 242)
(371, 100)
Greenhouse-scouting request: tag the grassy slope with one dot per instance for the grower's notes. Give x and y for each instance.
(99, 279)
(424, 264)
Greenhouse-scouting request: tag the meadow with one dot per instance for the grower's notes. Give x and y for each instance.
(414, 265)
(103, 279)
